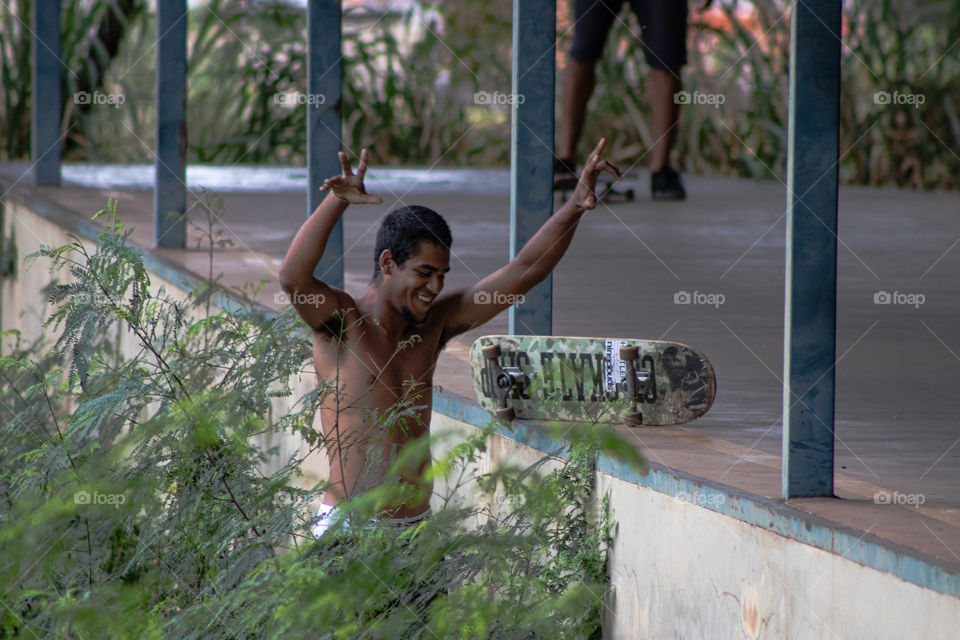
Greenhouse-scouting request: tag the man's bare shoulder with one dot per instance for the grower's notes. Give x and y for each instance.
(445, 312)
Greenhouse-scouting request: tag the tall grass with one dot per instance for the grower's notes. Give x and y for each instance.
(741, 52)
(14, 81)
(409, 80)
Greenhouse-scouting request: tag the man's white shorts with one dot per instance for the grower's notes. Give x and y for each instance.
(327, 515)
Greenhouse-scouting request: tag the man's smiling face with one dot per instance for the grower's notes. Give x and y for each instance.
(414, 286)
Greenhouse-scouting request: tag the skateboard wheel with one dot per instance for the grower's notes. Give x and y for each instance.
(634, 420)
(507, 414)
(491, 352)
(629, 353)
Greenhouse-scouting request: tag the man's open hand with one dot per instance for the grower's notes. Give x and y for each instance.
(585, 195)
(349, 186)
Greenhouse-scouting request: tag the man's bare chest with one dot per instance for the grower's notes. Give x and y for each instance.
(370, 362)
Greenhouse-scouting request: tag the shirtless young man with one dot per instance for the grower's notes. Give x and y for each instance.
(380, 350)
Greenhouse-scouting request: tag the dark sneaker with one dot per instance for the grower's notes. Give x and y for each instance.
(666, 185)
(564, 175)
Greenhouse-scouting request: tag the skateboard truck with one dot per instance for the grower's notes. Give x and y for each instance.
(504, 379)
(636, 383)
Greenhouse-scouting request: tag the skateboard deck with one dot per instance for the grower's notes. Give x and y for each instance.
(606, 189)
(608, 380)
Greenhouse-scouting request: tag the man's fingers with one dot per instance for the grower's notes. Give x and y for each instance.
(362, 167)
(369, 198)
(600, 147)
(594, 156)
(345, 163)
(611, 169)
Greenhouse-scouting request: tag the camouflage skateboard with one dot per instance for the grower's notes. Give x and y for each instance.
(608, 380)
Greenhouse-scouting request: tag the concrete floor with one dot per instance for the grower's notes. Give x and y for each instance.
(898, 364)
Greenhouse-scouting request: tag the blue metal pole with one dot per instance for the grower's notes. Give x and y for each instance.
(810, 323)
(47, 107)
(170, 189)
(531, 149)
(324, 92)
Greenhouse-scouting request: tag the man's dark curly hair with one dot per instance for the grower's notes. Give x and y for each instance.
(404, 229)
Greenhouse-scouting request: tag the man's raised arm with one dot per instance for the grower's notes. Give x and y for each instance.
(536, 259)
(314, 300)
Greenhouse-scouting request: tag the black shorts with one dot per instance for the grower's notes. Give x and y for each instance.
(663, 24)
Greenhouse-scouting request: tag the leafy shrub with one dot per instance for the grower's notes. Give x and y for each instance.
(137, 498)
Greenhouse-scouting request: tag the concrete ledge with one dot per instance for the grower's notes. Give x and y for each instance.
(780, 518)
(84, 228)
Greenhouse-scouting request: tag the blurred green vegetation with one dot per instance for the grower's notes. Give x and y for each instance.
(410, 79)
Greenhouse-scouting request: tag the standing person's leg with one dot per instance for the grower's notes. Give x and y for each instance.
(593, 20)
(664, 116)
(578, 83)
(664, 24)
